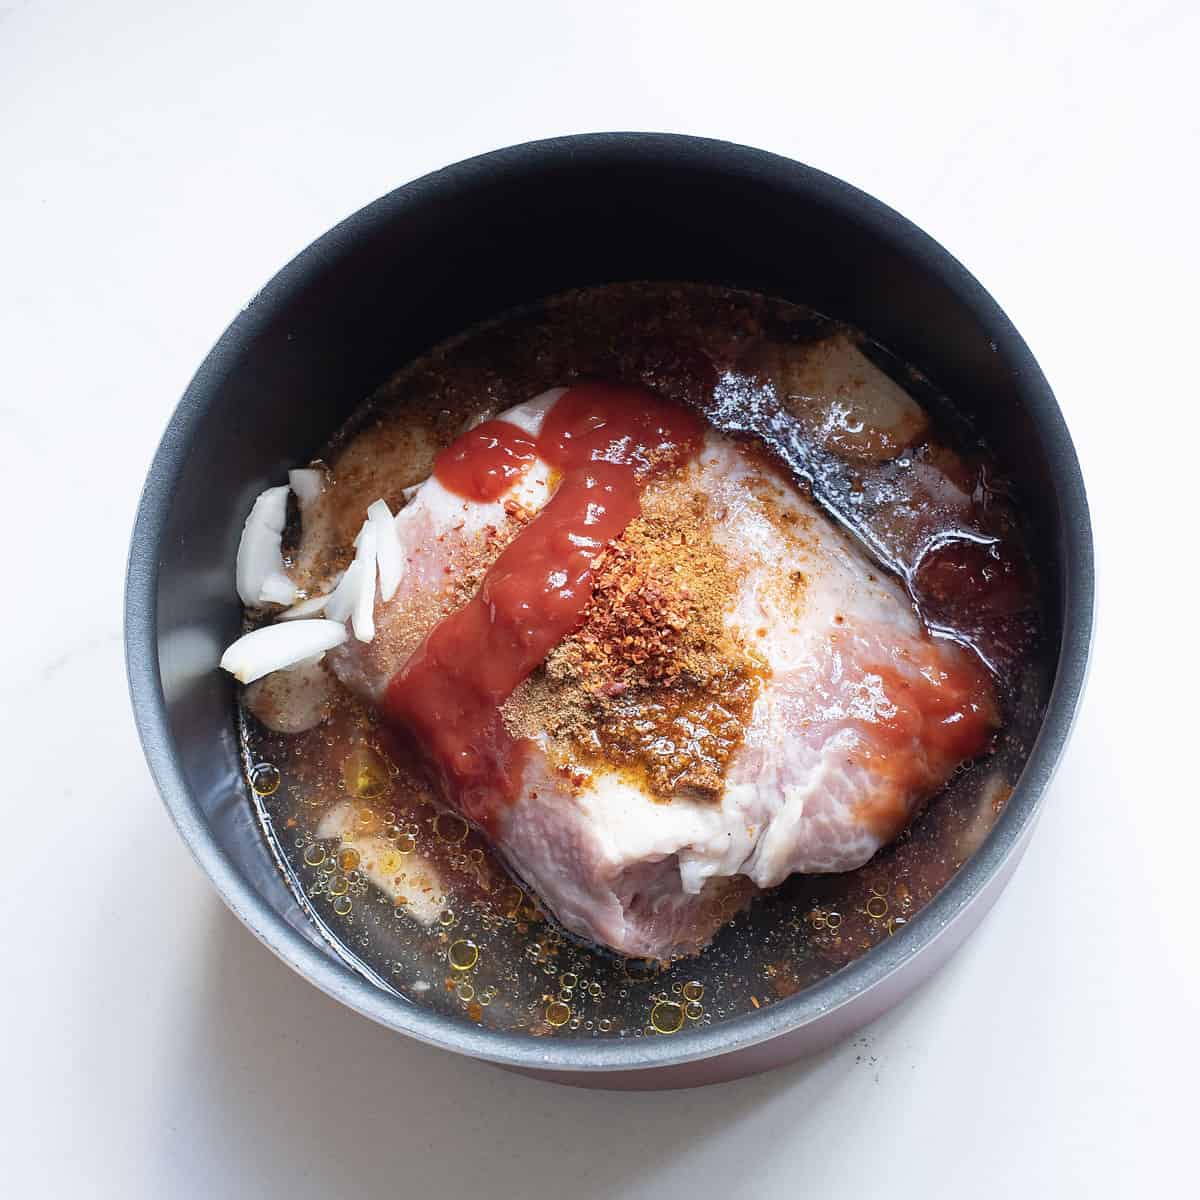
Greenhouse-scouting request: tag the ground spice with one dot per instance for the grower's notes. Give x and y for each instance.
(652, 682)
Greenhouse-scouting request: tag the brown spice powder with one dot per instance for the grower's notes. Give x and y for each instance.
(652, 682)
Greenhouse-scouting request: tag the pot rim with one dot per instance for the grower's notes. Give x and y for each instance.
(811, 1004)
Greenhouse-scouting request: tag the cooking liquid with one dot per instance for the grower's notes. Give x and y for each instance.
(490, 955)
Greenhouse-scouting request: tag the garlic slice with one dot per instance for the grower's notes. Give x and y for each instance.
(341, 601)
(261, 577)
(354, 597)
(387, 549)
(274, 647)
(277, 588)
(311, 607)
(363, 617)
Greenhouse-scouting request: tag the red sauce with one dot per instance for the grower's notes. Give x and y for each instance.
(948, 708)
(486, 461)
(962, 581)
(606, 441)
(944, 705)
(983, 590)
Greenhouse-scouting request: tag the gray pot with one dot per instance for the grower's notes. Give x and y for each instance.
(474, 240)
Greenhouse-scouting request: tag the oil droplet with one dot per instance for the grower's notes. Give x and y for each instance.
(463, 954)
(314, 855)
(447, 918)
(264, 779)
(406, 843)
(342, 906)
(569, 979)
(667, 1016)
(348, 859)
(877, 908)
(389, 862)
(693, 990)
(365, 774)
(339, 885)
(693, 1010)
(557, 1013)
(509, 901)
(450, 829)
(466, 992)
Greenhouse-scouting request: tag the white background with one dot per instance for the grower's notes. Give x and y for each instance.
(159, 162)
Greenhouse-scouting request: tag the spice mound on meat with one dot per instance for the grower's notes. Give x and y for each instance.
(654, 681)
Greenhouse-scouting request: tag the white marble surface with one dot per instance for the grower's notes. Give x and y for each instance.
(161, 161)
